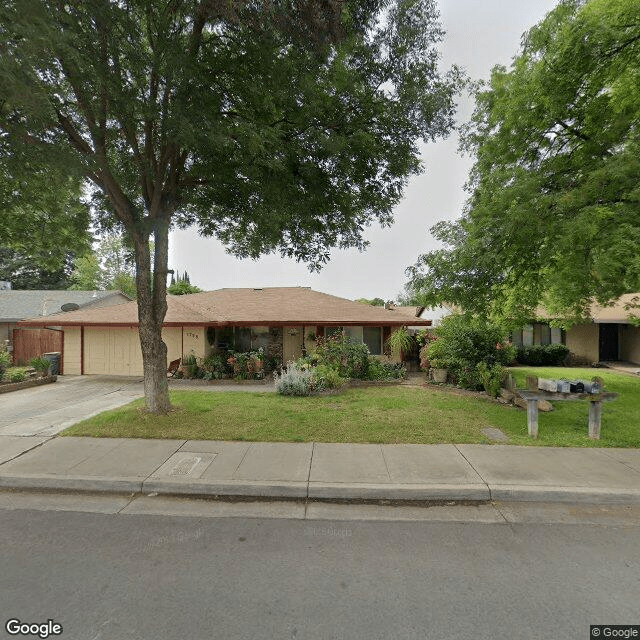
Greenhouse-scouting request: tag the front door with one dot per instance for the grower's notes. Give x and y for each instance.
(292, 344)
(608, 342)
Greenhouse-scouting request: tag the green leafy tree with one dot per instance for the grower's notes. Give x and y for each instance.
(43, 222)
(375, 302)
(126, 283)
(181, 287)
(109, 267)
(43, 217)
(25, 272)
(87, 273)
(554, 212)
(277, 127)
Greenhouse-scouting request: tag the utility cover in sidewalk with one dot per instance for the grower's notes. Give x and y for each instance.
(186, 466)
(495, 434)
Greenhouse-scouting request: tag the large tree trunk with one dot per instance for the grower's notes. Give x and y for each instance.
(152, 308)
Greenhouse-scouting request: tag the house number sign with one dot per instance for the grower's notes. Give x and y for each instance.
(192, 335)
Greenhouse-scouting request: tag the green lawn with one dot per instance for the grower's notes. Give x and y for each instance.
(393, 414)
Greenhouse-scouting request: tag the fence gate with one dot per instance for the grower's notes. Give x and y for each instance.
(28, 343)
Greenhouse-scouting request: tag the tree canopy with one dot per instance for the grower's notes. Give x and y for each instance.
(554, 208)
(109, 266)
(374, 302)
(277, 127)
(25, 271)
(181, 285)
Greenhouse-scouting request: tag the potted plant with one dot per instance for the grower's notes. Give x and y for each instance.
(400, 342)
(438, 370)
(41, 365)
(189, 366)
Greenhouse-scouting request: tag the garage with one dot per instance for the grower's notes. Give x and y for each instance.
(116, 350)
(112, 350)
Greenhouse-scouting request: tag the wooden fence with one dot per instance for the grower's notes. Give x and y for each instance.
(28, 343)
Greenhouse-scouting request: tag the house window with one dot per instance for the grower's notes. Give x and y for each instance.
(556, 336)
(545, 334)
(353, 333)
(259, 338)
(242, 337)
(372, 337)
(333, 331)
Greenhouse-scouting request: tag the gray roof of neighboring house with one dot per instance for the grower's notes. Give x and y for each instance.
(17, 305)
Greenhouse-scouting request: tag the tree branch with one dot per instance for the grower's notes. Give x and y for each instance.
(77, 141)
(573, 130)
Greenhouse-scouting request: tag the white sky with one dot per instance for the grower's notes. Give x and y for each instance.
(480, 34)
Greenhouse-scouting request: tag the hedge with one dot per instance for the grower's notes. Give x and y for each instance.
(549, 355)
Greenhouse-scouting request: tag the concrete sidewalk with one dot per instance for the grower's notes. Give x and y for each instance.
(322, 471)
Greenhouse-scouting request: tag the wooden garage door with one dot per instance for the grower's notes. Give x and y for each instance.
(113, 351)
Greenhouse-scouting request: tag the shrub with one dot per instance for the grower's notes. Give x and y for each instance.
(295, 381)
(463, 342)
(246, 365)
(550, 355)
(5, 361)
(379, 370)
(40, 363)
(17, 374)
(491, 377)
(215, 366)
(349, 359)
(5, 358)
(326, 377)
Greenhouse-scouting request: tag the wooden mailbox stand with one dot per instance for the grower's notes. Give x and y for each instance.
(595, 406)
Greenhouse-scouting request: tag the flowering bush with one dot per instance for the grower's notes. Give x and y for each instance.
(424, 339)
(350, 359)
(463, 342)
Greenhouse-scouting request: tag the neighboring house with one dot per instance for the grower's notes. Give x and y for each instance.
(609, 335)
(435, 314)
(285, 321)
(17, 305)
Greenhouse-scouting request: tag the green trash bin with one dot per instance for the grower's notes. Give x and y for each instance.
(54, 359)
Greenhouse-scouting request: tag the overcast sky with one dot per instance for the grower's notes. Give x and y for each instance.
(480, 34)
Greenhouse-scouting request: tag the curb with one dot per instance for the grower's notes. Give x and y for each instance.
(402, 493)
(356, 493)
(56, 483)
(245, 489)
(587, 495)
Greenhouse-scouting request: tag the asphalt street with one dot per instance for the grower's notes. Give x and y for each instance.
(110, 570)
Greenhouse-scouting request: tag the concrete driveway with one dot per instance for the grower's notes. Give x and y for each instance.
(46, 410)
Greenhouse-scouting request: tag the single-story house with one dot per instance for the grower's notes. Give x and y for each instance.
(609, 334)
(285, 321)
(17, 305)
(435, 314)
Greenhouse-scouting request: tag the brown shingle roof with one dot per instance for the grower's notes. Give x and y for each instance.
(411, 311)
(617, 313)
(245, 307)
